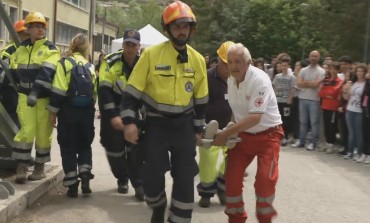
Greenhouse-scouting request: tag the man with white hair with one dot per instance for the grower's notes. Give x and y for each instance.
(258, 123)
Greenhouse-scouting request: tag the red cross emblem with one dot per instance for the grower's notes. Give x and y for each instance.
(258, 102)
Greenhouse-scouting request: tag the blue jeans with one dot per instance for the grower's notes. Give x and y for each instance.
(355, 133)
(309, 111)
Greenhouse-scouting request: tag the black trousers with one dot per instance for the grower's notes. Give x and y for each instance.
(9, 99)
(366, 127)
(286, 116)
(330, 125)
(343, 130)
(75, 136)
(295, 117)
(122, 156)
(169, 144)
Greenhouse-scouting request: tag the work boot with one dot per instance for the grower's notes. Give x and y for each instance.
(139, 194)
(21, 175)
(73, 190)
(204, 202)
(158, 214)
(122, 186)
(32, 162)
(38, 172)
(222, 197)
(85, 182)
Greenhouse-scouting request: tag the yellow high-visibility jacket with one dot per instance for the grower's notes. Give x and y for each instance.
(34, 66)
(6, 55)
(166, 86)
(113, 75)
(62, 79)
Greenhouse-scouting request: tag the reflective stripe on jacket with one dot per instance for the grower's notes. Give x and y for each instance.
(34, 65)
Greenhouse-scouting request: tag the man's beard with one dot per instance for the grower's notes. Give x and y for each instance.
(180, 41)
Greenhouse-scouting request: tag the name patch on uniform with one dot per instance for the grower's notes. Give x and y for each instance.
(189, 87)
(162, 67)
(188, 70)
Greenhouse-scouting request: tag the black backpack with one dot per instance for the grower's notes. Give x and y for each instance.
(81, 87)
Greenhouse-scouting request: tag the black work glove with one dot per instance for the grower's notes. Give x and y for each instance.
(31, 99)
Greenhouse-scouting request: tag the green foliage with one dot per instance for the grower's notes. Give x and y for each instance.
(135, 16)
(266, 27)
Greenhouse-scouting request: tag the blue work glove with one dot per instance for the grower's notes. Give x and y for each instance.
(31, 99)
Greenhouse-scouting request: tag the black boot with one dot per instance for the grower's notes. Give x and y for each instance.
(158, 214)
(73, 190)
(85, 182)
(204, 202)
(139, 194)
(122, 186)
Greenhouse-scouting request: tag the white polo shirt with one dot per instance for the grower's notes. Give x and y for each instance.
(254, 95)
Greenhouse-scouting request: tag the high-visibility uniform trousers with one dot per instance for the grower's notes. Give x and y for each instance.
(9, 99)
(177, 137)
(120, 155)
(75, 136)
(266, 146)
(211, 179)
(35, 124)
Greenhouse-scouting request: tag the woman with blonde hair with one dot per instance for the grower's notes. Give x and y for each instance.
(72, 101)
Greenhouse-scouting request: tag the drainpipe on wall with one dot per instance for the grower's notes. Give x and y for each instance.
(20, 10)
(55, 21)
(92, 27)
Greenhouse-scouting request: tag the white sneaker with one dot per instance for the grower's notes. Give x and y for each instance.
(348, 156)
(361, 159)
(367, 161)
(233, 139)
(340, 149)
(209, 133)
(297, 144)
(210, 129)
(356, 157)
(310, 147)
(284, 142)
(330, 148)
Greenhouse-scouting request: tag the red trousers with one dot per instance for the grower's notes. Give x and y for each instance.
(266, 146)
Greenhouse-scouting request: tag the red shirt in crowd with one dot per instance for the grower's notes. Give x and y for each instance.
(330, 94)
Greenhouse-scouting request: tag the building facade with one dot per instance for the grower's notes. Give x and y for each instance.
(65, 19)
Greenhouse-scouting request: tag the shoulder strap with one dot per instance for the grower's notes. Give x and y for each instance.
(62, 61)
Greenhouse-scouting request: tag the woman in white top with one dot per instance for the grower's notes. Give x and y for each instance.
(353, 92)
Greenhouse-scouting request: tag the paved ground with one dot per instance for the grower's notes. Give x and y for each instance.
(313, 188)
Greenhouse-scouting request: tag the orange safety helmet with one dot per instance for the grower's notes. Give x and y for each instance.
(179, 12)
(35, 17)
(19, 26)
(222, 51)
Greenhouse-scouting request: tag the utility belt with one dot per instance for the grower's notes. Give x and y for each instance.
(267, 131)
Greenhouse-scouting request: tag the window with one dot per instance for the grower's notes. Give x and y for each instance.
(2, 28)
(13, 15)
(25, 14)
(65, 33)
(80, 3)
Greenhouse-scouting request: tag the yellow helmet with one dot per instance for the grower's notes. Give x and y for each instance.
(222, 51)
(35, 17)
